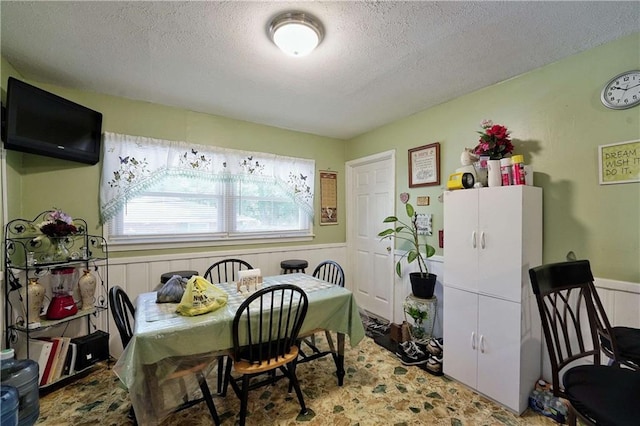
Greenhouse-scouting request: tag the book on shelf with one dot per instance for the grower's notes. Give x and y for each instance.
(70, 361)
(46, 377)
(61, 357)
(39, 351)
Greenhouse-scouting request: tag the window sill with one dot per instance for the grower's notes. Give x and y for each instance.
(161, 244)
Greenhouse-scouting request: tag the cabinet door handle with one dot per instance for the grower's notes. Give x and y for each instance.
(482, 240)
(482, 343)
(473, 239)
(473, 340)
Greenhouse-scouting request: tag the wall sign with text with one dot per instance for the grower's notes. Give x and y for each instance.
(619, 162)
(424, 165)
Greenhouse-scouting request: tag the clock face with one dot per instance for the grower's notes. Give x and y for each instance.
(622, 91)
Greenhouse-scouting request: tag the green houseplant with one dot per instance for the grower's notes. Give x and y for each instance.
(423, 282)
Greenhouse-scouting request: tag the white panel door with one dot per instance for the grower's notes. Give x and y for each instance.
(499, 350)
(370, 199)
(460, 335)
(461, 238)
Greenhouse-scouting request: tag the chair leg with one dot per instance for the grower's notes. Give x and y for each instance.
(291, 368)
(220, 373)
(244, 399)
(207, 397)
(227, 377)
(332, 347)
(571, 416)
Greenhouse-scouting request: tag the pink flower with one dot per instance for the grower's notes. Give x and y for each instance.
(494, 141)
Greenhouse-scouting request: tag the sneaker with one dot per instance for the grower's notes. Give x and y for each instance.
(402, 348)
(434, 363)
(413, 355)
(435, 346)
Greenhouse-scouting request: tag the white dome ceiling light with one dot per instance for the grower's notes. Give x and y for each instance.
(296, 33)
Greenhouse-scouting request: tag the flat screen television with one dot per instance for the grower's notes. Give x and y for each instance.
(39, 122)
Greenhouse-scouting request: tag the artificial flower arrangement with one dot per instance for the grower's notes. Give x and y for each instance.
(494, 141)
(58, 225)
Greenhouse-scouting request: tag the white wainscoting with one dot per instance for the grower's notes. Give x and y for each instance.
(403, 288)
(141, 274)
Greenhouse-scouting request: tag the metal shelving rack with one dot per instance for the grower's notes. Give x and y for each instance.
(23, 240)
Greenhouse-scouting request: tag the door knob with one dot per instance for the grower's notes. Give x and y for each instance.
(388, 249)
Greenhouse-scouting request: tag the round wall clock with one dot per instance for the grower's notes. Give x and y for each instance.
(622, 91)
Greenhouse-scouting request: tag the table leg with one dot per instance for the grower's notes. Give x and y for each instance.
(340, 359)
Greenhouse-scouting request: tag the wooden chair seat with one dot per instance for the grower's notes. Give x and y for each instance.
(245, 367)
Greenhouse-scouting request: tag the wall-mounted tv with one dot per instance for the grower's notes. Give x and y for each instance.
(39, 122)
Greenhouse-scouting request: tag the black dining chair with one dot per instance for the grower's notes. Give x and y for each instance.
(597, 394)
(332, 272)
(124, 315)
(265, 330)
(224, 271)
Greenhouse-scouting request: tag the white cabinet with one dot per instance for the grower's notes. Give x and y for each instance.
(492, 331)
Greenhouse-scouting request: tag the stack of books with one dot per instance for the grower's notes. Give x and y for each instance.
(56, 357)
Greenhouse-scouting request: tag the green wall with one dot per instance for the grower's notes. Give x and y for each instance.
(557, 122)
(38, 183)
(554, 113)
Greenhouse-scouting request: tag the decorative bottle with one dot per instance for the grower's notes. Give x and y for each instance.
(87, 286)
(32, 299)
(518, 170)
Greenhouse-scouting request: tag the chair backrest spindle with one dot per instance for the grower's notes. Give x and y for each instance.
(271, 318)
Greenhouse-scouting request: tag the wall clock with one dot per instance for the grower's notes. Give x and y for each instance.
(622, 91)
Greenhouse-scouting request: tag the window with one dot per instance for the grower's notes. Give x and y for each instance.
(201, 193)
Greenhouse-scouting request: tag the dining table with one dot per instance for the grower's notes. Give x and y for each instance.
(164, 341)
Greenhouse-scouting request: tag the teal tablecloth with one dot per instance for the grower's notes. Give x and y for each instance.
(162, 338)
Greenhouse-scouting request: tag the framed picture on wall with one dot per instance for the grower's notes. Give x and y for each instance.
(328, 198)
(424, 165)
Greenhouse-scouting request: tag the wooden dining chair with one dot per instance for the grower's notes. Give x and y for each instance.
(332, 272)
(224, 271)
(124, 315)
(597, 394)
(265, 330)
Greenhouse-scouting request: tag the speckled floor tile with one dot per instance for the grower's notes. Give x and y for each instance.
(378, 390)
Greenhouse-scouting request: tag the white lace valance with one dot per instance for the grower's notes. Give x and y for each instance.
(131, 164)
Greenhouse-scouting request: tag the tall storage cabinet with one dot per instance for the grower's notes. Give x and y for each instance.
(491, 328)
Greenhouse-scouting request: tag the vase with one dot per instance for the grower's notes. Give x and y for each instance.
(32, 299)
(87, 286)
(494, 174)
(59, 251)
(481, 173)
(422, 287)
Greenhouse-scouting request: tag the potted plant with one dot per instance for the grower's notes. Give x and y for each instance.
(422, 283)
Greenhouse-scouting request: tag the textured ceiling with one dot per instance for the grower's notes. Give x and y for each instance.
(378, 62)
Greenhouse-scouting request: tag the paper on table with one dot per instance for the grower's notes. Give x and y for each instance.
(249, 280)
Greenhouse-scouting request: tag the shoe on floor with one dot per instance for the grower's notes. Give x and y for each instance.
(412, 354)
(435, 346)
(404, 346)
(434, 364)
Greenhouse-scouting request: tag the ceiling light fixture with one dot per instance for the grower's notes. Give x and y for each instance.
(296, 33)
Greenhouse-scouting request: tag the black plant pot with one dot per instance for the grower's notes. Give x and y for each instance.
(422, 286)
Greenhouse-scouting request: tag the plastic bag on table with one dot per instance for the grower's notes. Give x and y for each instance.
(172, 291)
(201, 297)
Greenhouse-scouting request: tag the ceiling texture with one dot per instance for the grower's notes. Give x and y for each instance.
(379, 61)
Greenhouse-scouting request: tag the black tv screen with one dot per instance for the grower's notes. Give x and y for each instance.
(39, 122)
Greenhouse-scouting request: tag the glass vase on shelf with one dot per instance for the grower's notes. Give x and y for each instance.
(59, 251)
